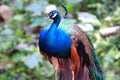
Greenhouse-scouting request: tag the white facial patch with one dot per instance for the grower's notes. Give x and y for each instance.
(54, 15)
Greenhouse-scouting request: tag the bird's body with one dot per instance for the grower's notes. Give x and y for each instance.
(71, 52)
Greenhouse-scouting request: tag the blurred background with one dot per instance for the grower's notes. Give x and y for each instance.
(22, 20)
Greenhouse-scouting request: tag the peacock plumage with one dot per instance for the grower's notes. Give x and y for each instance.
(69, 51)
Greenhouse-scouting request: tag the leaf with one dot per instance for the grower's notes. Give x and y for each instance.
(19, 6)
(19, 33)
(36, 22)
(95, 5)
(40, 21)
(32, 60)
(74, 1)
(37, 8)
(110, 74)
(19, 17)
(86, 26)
(88, 18)
(17, 57)
(29, 38)
(10, 38)
(7, 32)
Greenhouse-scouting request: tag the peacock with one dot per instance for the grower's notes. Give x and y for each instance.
(69, 51)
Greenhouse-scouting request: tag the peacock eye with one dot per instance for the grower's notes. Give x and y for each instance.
(53, 15)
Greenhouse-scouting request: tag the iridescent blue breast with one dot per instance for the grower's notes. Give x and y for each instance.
(56, 43)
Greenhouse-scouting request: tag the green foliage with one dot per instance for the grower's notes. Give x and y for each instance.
(18, 37)
(37, 8)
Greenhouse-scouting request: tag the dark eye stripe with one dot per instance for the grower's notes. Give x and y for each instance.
(51, 14)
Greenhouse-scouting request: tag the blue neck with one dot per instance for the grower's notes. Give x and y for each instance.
(55, 42)
(55, 24)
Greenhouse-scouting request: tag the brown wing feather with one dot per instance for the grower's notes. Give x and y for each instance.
(78, 33)
(75, 60)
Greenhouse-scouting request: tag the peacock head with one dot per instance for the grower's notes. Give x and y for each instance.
(55, 15)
